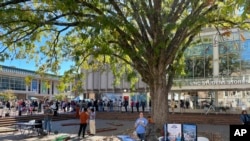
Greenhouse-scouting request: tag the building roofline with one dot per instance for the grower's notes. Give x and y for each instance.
(18, 70)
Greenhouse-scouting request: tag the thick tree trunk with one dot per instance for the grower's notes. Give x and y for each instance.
(159, 99)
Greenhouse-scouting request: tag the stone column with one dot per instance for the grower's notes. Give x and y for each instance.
(216, 60)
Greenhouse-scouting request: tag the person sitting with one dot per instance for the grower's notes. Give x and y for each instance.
(245, 118)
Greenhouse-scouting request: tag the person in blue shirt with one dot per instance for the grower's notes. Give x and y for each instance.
(140, 126)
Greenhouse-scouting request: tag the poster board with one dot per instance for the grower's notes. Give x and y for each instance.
(172, 132)
(180, 132)
(189, 132)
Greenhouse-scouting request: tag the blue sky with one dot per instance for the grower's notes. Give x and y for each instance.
(31, 65)
(23, 64)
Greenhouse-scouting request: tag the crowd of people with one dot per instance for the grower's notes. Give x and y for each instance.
(21, 106)
(110, 105)
(28, 106)
(86, 112)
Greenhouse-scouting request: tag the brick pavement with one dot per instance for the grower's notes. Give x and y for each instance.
(211, 130)
(198, 118)
(72, 131)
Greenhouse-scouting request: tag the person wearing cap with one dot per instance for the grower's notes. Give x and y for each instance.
(244, 117)
(48, 113)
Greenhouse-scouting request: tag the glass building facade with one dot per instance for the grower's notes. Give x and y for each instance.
(233, 70)
(234, 56)
(12, 78)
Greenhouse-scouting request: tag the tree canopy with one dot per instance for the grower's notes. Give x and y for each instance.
(7, 95)
(146, 36)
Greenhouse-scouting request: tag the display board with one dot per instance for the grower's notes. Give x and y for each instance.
(180, 132)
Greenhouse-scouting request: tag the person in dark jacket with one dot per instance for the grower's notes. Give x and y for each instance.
(151, 131)
(126, 105)
(245, 118)
(137, 106)
(8, 105)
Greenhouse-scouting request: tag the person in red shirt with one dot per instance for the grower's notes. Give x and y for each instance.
(84, 119)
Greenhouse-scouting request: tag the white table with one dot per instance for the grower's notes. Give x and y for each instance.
(26, 126)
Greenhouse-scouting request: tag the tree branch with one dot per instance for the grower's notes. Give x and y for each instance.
(12, 2)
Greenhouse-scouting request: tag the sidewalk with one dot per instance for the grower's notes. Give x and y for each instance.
(72, 131)
(127, 127)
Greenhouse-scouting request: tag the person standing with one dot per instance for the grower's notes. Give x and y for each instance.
(182, 106)
(151, 131)
(132, 106)
(126, 105)
(8, 105)
(137, 106)
(187, 104)
(143, 104)
(172, 105)
(245, 118)
(64, 104)
(84, 119)
(48, 113)
(92, 122)
(111, 106)
(20, 107)
(140, 126)
(99, 102)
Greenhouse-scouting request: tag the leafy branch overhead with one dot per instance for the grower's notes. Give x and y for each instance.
(140, 33)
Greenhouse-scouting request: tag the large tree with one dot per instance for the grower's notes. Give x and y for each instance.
(148, 35)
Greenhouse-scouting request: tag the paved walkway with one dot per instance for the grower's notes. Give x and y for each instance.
(127, 126)
(72, 131)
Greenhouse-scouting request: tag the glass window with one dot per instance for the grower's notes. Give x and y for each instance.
(5, 82)
(34, 85)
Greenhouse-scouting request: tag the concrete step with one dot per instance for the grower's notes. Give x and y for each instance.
(8, 121)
